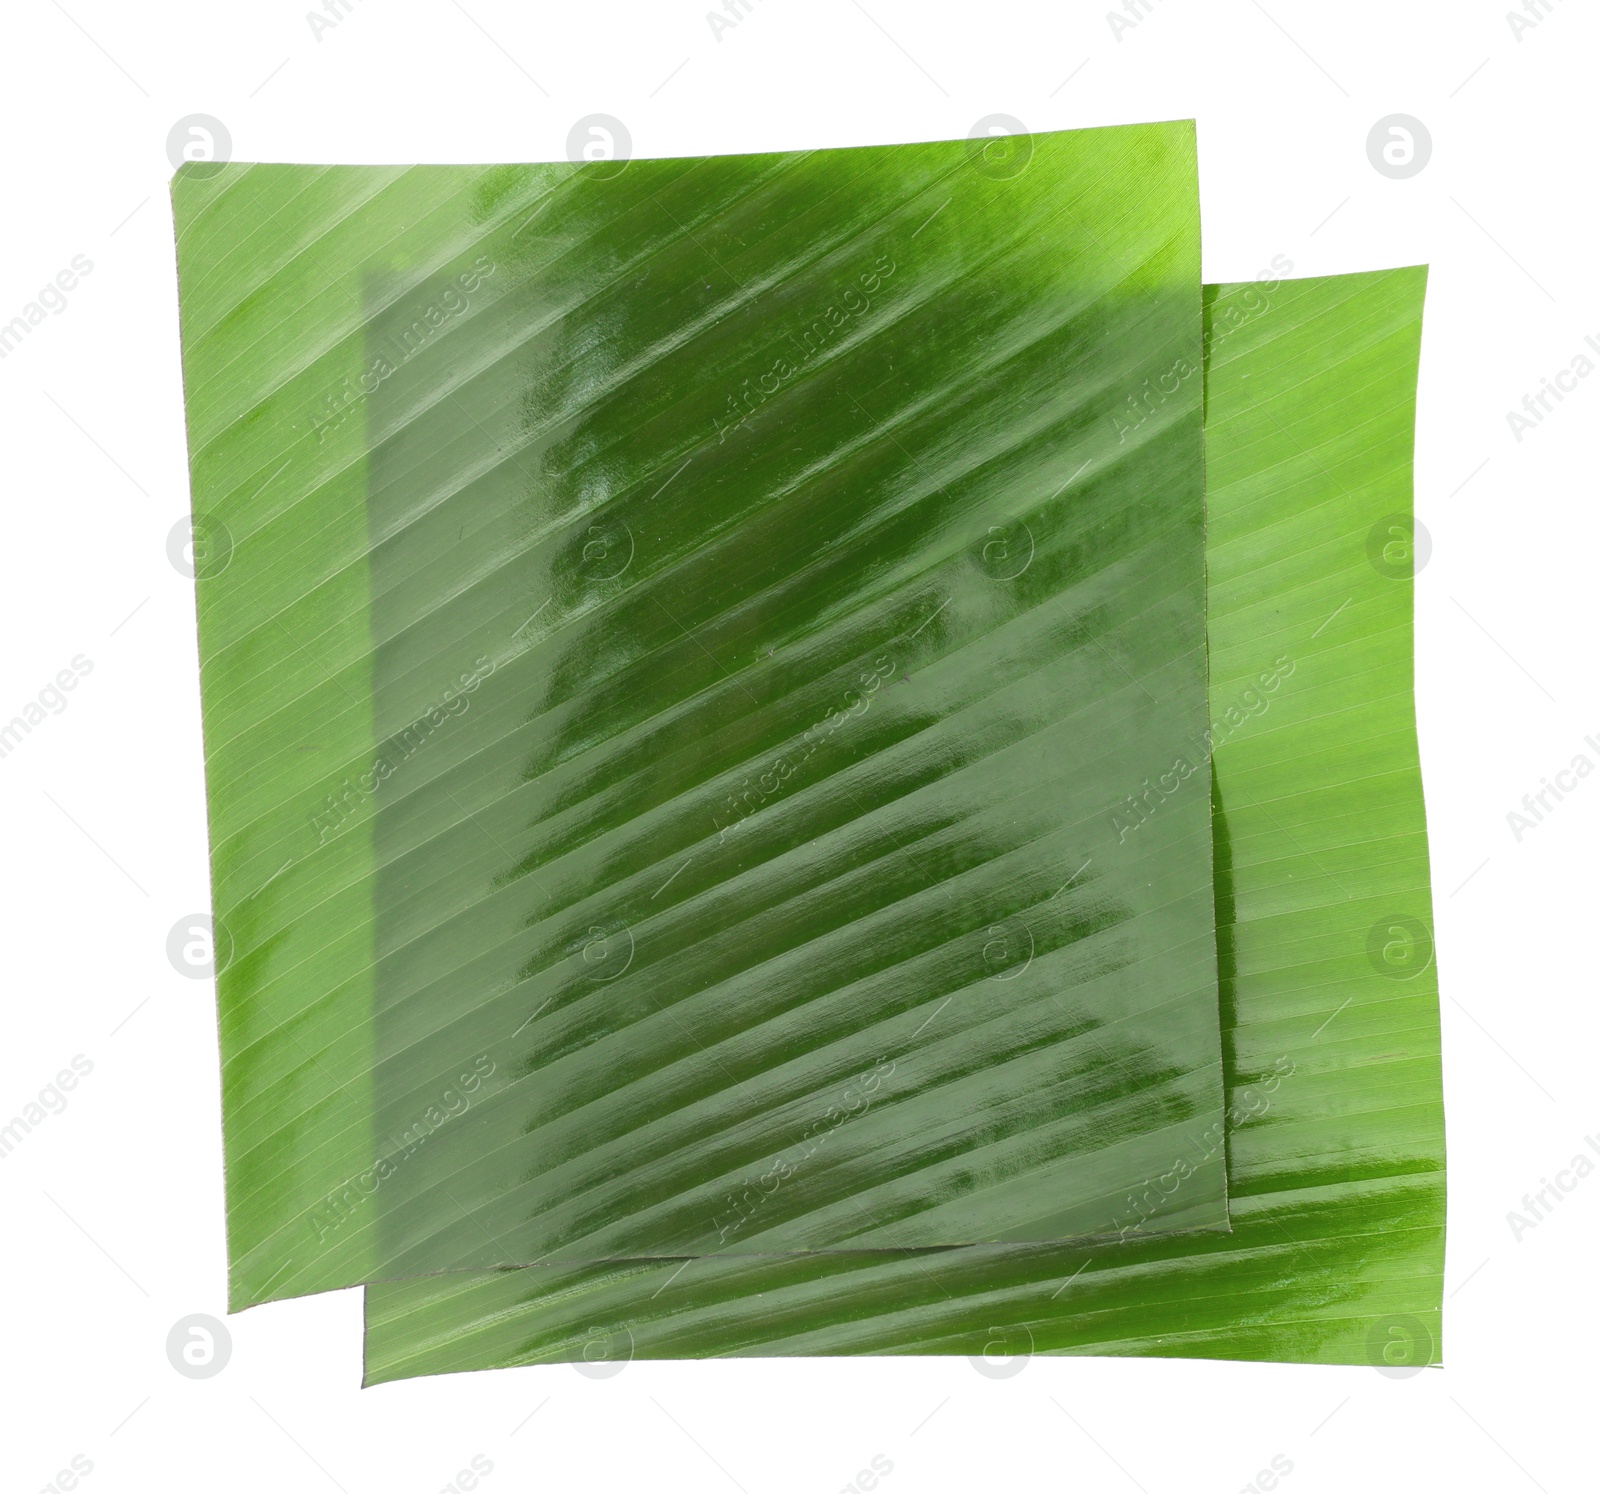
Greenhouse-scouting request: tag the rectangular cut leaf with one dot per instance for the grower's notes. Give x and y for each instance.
(1334, 1124)
(704, 684)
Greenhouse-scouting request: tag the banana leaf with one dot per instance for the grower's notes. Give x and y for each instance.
(703, 673)
(1334, 1127)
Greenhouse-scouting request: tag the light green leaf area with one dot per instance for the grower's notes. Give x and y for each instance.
(1334, 1131)
(704, 684)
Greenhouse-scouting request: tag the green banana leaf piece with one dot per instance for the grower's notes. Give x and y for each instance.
(1334, 1132)
(704, 687)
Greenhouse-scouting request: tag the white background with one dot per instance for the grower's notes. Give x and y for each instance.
(113, 1213)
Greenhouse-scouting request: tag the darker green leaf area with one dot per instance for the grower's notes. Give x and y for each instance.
(818, 607)
(1333, 1130)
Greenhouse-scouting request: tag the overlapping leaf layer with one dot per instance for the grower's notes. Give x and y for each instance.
(1334, 1126)
(705, 697)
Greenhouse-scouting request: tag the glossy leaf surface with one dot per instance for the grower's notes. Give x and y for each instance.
(1334, 1123)
(704, 686)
